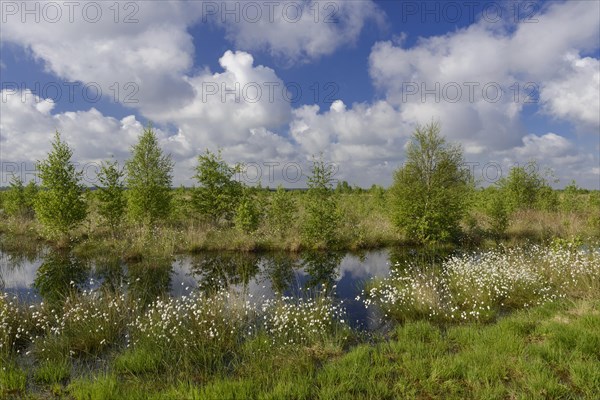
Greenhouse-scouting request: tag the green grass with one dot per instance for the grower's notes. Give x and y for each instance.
(12, 379)
(364, 223)
(55, 371)
(547, 352)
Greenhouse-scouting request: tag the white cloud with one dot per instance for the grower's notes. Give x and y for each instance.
(301, 31)
(365, 141)
(152, 53)
(575, 96)
(490, 54)
(238, 109)
(562, 156)
(28, 126)
(501, 55)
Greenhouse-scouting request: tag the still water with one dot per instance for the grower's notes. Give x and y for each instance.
(44, 274)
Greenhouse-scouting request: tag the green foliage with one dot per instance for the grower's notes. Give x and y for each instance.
(31, 192)
(247, 215)
(218, 196)
(113, 203)
(431, 191)
(497, 210)
(181, 204)
(572, 198)
(525, 188)
(281, 211)
(322, 217)
(343, 187)
(547, 199)
(15, 199)
(149, 176)
(60, 205)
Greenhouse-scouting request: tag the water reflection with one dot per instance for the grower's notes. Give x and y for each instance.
(280, 268)
(216, 271)
(59, 275)
(55, 273)
(110, 272)
(149, 279)
(322, 268)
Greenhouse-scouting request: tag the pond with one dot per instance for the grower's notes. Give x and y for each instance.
(43, 274)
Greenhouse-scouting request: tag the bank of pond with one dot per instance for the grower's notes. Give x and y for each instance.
(212, 324)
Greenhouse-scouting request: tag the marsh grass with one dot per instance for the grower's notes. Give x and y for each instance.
(544, 352)
(482, 285)
(363, 222)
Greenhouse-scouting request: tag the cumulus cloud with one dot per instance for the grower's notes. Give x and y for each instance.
(567, 160)
(575, 96)
(242, 107)
(28, 126)
(460, 73)
(301, 31)
(153, 53)
(238, 109)
(365, 141)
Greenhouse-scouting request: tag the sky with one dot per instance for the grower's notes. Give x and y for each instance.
(274, 83)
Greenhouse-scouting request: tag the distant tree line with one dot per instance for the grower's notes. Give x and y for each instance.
(430, 195)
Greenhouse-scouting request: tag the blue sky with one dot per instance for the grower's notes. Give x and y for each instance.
(362, 73)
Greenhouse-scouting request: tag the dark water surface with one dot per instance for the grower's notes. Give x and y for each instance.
(44, 274)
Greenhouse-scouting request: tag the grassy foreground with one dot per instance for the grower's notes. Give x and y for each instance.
(547, 352)
(508, 323)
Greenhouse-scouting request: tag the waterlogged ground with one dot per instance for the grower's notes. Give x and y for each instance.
(44, 273)
(238, 325)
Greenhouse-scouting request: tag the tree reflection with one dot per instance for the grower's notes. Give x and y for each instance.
(322, 268)
(279, 268)
(60, 274)
(216, 271)
(110, 272)
(149, 279)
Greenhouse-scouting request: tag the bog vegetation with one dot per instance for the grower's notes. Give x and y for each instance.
(433, 200)
(524, 287)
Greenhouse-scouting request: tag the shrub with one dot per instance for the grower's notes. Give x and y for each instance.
(149, 179)
(496, 209)
(219, 194)
(15, 200)
(430, 192)
(113, 203)
(281, 211)
(525, 188)
(60, 205)
(322, 217)
(247, 215)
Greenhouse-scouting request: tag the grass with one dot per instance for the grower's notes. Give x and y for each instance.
(364, 223)
(12, 379)
(539, 338)
(546, 352)
(482, 285)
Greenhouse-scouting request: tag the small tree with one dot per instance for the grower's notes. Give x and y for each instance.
(31, 192)
(113, 203)
(281, 210)
(219, 194)
(496, 209)
(247, 215)
(15, 200)
(431, 190)
(321, 221)
(149, 179)
(525, 188)
(60, 205)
